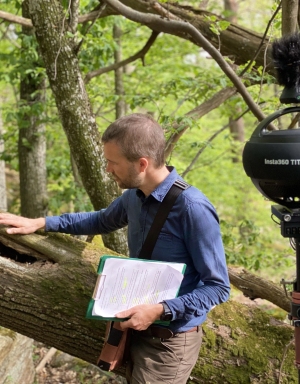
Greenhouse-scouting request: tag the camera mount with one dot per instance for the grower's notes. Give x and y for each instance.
(272, 160)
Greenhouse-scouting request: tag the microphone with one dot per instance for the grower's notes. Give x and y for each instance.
(286, 59)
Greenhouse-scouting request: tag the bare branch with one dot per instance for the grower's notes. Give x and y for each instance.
(96, 15)
(28, 23)
(214, 102)
(46, 359)
(196, 157)
(16, 19)
(122, 63)
(189, 168)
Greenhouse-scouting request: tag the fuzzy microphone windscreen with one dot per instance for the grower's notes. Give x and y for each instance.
(286, 58)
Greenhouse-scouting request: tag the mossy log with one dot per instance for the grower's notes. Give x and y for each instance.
(47, 281)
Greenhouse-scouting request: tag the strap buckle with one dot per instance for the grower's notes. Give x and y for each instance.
(181, 184)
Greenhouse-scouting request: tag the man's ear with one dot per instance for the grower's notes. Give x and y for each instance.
(143, 163)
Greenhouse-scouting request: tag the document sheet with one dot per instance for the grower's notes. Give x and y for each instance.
(125, 283)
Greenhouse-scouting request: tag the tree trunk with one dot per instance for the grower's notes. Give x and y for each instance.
(59, 55)
(32, 140)
(236, 127)
(289, 20)
(47, 281)
(3, 197)
(119, 87)
(237, 131)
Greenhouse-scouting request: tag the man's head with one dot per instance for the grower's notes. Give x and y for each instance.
(138, 136)
(134, 149)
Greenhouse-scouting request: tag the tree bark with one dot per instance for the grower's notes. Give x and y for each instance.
(3, 196)
(59, 55)
(255, 287)
(45, 288)
(119, 86)
(237, 131)
(47, 281)
(236, 127)
(289, 20)
(32, 140)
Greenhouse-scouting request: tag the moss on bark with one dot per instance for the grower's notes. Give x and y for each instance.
(244, 345)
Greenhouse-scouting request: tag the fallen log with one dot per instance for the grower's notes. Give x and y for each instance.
(47, 281)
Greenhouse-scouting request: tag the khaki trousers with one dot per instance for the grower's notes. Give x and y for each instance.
(157, 361)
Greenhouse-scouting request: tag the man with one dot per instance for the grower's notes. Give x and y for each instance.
(134, 150)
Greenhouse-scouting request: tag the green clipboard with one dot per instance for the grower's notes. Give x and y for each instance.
(89, 312)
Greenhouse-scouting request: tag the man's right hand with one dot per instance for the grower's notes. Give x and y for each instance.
(22, 225)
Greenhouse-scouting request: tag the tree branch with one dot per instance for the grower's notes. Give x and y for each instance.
(122, 63)
(28, 23)
(73, 15)
(157, 23)
(162, 11)
(214, 102)
(255, 287)
(16, 19)
(189, 167)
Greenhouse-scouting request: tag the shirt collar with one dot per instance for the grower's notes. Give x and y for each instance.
(160, 192)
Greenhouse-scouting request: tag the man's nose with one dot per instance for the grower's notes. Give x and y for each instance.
(108, 168)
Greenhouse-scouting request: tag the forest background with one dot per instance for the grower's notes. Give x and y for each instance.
(170, 77)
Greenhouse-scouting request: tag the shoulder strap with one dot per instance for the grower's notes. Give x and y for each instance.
(160, 217)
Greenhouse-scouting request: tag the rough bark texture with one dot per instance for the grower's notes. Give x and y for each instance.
(3, 196)
(32, 140)
(46, 299)
(255, 287)
(119, 86)
(59, 56)
(47, 281)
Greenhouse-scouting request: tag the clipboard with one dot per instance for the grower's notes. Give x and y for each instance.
(102, 289)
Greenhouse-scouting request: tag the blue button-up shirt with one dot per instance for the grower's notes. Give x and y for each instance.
(190, 235)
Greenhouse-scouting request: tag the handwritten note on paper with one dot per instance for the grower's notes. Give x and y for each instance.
(127, 283)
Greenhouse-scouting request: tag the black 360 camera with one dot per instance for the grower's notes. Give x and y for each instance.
(271, 158)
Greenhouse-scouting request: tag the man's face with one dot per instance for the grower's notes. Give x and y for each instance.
(124, 172)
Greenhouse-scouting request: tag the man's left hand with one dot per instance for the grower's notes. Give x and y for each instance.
(140, 316)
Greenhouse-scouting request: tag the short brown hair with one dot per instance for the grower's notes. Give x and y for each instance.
(138, 135)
